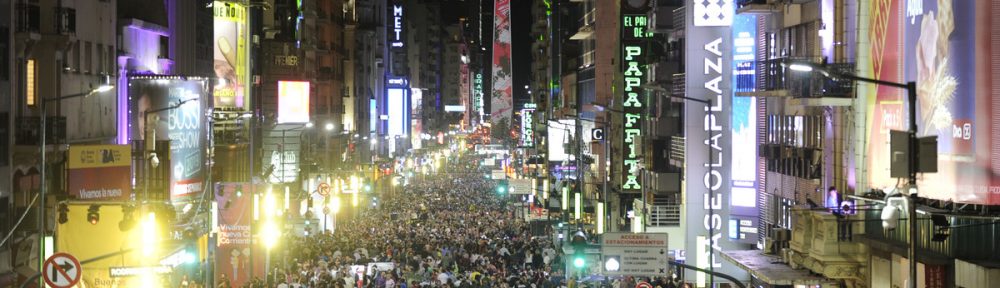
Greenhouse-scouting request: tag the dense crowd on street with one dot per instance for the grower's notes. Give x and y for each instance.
(448, 229)
(444, 230)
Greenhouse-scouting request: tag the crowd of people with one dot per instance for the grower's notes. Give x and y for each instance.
(445, 230)
(449, 229)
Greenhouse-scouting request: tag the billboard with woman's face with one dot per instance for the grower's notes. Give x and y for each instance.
(182, 124)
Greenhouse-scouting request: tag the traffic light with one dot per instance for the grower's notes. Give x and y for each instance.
(578, 261)
(579, 243)
(502, 186)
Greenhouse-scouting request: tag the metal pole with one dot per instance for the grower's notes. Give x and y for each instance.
(911, 91)
(42, 190)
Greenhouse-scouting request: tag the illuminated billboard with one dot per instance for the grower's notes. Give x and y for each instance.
(293, 102)
(527, 126)
(99, 172)
(230, 54)
(708, 139)
(560, 134)
(398, 108)
(743, 199)
(634, 49)
(944, 47)
(502, 101)
(183, 125)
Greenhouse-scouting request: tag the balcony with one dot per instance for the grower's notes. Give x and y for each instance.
(822, 243)
(665, 214)
(771, 79)
(973, 240)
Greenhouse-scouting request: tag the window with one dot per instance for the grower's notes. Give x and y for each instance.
(76, 57)
(88, 51)
(100, 60)
(29, 76)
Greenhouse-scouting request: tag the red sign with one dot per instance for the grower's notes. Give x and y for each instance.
(62, 270)
(643, 285)
(324, 189)
(934, 276)
(106, 183)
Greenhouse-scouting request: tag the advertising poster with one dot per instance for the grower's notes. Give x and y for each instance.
(76, 237)
(502, 103)
(230, 54)
(183, 125)
(944, 46)
(99, 172)
(233, 255)
(743, 201)
(709, 151)
(416, 114)
(293, 102)
(527, 126)
(465, 90)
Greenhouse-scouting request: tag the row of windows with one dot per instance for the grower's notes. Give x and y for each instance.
(90, 58)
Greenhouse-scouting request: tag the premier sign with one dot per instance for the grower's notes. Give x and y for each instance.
(634, 39)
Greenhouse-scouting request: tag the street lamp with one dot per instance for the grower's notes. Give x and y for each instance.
(708, 192)
(44, 188)
(911, 94)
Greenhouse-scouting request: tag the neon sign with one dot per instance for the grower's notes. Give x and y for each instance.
(527, 125)
(397, 26)
(633, 44)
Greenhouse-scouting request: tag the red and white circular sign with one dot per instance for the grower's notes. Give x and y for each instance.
(643, 284)
(62, 270)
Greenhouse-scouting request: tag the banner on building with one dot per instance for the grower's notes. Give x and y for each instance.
(709, 152)
(77, 237)
(181, 120)
(99, 172)
(230, 59)
(944, 47)
(234, 255)
(502, 101)
(743, 200)
(527, 126)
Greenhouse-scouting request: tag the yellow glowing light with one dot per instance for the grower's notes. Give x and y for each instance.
(565, 198)
(149, 232)
(355, 183)
(269, 231)
(600, 218)
(256, 206)
(545, 189)
(354, 198)
(286, 200)
(578, 206)
(334, 205)
(269, 205)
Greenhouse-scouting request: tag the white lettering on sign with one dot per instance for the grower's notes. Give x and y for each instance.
(632, 101)
(397, 26)
(713, 177)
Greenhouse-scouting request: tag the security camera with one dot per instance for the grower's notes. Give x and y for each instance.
(153, 160)
(891, 211)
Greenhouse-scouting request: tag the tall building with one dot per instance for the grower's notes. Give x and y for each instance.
(58, 49)
(369, 86)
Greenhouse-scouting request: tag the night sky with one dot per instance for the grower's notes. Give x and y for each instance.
(521, 46)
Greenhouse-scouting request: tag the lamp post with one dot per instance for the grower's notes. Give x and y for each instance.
(711, 209)
(911, 95)
(44, 189)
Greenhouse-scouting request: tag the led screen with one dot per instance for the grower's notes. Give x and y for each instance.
(293, 102)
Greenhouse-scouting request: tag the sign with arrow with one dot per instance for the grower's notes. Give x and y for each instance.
(62, 270)
(634, 254)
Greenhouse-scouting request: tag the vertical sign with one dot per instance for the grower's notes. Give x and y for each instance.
(230, 54)
(233, 250)
(502, 102)
(527, 126)
(708, 139)
(743, 202)
(465, 86)
(634, 44)
(477, 93)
